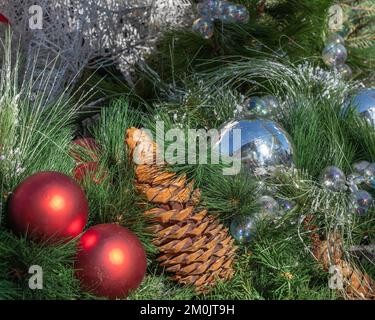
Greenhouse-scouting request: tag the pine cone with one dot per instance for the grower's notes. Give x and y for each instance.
(357, 285)
(193, 245)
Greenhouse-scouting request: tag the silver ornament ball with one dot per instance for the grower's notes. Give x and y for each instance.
(369, 174)
(361, 202)
(335, 38)
(268, 206)
(334, 54)
(285, 205)
(332, 178)
(205, 27)
(364, 103)
(344, 71)
(243, 228)
(359, 167)
(260, 144)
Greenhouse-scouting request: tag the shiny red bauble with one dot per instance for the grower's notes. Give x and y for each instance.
(111, 261)
(48, 206)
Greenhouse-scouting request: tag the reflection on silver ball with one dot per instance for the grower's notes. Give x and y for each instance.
(345, 71)
(335, 38)
(333, 179)
(369, 174)
(205, 27)
(243, 229)
(361, 202)
(259, 143)
(256, 106)
(334, 54)
(209, 9)
(285, 205)
(364, 103)
(269, 207)
(359, 167)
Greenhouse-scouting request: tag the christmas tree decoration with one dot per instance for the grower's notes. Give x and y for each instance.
(332, 178)
(205, 27)
(336, 38)
(85, 149)
(233, 13)
(269, 207)
(224, 11)
(210, 9)
(260, 144)
(256, 106)
(344, 71)
(364, 103)
(243, 229)
(111, 261)
(193, 244)
(285, 205)
(48, 205)
(356, 284)
(353, 181)
(334, 54)
(361, 201)
(359, 167)
(369, 175)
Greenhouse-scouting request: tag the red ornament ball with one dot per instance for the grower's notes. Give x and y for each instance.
(48, 205)
(111, 261)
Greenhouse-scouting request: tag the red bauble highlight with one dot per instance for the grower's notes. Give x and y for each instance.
(48, 206)
(111, 261)
(89, 150)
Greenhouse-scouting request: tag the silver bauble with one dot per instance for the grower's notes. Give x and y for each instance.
(369, 174)
(285, 205)
(333, 179)
(364, 102)
(243, 228)
(359, 167)
(260, 144)
(334, 54)
(205, 27)
(361, 202)
(345, 71)
(336, 38)
(268, 206)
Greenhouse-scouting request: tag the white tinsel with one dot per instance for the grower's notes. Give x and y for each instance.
(81, 33)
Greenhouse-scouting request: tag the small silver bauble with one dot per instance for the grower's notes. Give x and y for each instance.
(243, 228)
(272, 104)
(268, 206)
(334, 54)
(353, 181)
(234, 13)
(333, 179)
(209, 9)
(259, 143)
(256, 106)
(364, 103)
(361, 202)
(359, 167)
(285, 205)
(205, 27)
(369, 174)
(345, 71)
(336, 38)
